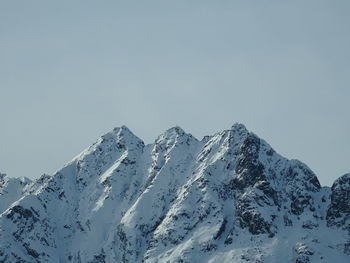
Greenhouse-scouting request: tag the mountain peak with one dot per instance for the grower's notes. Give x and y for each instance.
(122, 130)
(172, 134)
(227, 198)
(176, 130)
(120, 133)
(239, 128)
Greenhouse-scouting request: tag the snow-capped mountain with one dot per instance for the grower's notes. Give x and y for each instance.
(227, 198)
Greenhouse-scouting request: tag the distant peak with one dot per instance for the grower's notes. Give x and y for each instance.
(24, 180)
(121, 134)
(176, 130)
(238, 127)
(123, 128)
(175, 133)
(238, 130)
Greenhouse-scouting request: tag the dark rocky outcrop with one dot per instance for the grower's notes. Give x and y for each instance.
(338, 213)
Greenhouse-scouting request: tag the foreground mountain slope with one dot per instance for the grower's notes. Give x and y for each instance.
(227, 198)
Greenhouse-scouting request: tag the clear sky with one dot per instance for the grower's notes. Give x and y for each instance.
(72, 70)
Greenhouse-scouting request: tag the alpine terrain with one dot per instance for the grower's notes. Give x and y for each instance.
(227, 198)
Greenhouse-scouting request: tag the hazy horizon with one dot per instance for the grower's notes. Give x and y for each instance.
(71, 71)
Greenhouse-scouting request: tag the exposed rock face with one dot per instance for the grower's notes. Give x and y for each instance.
(227, 198)
(338, 213)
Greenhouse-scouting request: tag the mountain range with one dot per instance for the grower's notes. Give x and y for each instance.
(229, 197)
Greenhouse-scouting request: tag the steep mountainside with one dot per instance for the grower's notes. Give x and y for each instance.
(227, 198)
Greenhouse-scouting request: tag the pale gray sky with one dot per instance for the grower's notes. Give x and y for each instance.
(72, 70)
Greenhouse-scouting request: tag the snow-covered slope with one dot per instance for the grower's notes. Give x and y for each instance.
(227, 198)
(12, 189)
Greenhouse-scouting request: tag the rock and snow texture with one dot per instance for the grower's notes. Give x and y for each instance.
(12, 189)
(227, 198)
